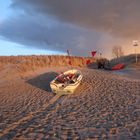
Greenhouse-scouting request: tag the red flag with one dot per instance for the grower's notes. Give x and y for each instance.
(70, 63)
(93, 53)
(88, 62)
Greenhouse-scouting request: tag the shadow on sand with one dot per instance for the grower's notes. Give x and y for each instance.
(43, 81)
(95, 66)
(92, 66)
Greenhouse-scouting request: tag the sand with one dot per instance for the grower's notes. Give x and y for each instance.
(104, 106)
(130, 72)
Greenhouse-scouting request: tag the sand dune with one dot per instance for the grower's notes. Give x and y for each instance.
(104, 106)
(128, 60)
(27, 63)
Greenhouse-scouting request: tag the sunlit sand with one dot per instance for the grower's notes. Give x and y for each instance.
(104, 106)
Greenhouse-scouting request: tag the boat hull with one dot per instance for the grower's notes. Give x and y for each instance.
(61, 88)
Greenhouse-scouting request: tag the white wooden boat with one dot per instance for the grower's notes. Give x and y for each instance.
(67, 82)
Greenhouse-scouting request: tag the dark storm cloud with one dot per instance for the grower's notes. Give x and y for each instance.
(117, 17)
(78, 25)
(48, 34)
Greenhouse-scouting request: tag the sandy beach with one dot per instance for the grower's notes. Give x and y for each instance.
(104, 106)
(69, 70)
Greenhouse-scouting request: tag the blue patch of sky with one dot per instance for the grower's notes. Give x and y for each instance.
(8, 48)
(5, 10)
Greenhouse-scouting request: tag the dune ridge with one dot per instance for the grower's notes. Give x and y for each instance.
(17, 66)
(45, 60)
(128, 60)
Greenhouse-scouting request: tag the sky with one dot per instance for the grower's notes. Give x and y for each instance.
(51, 26)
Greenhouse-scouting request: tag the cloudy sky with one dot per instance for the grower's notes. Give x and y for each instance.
(53, 26)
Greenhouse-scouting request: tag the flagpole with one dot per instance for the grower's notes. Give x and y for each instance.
(135, 44)
(68, 52)
(136, 55)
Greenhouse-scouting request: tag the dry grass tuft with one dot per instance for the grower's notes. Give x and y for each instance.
(28, 63)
